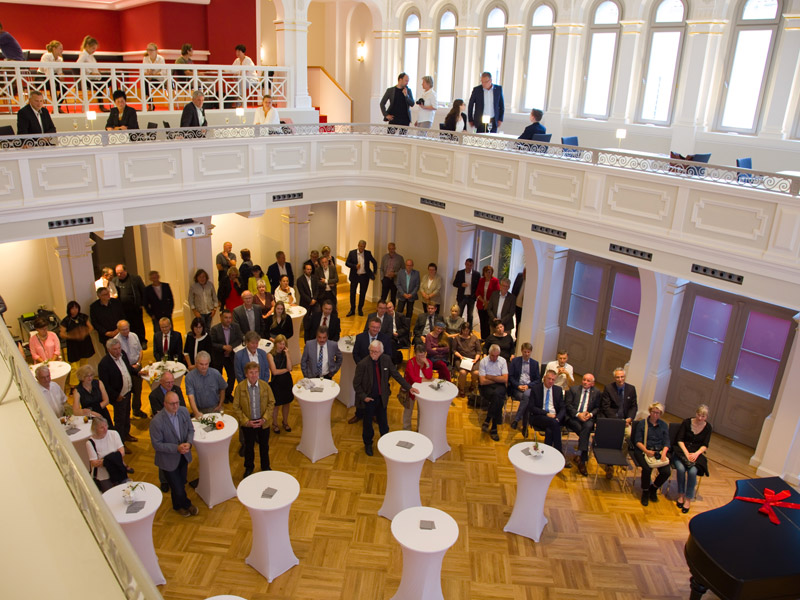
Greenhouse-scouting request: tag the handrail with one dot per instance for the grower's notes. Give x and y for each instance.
(112, 541)
(89, 85)
(732, 176)
(333, 80)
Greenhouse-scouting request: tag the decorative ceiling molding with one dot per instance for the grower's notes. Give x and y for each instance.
(102, 4)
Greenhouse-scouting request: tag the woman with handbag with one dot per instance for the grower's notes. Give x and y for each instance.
(689, 455)
(107, 470)
(651, 443)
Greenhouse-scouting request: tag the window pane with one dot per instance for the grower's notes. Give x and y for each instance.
(410, 58)
(582, 313)
(627, 293)
(670, 11)
(661, 75)
(755, 374)
(624, 313)
(747, 73)
(538, 71)
(765, 335)
(710, 318)
(760, 9)
(485, 245)
(607, 14)
(621, 327)
(412, 23)
(598, 75)
(493, 56)
(542, 16)
(448, 21)
(444, 68)
(496, 18)
(587, 280)
(701, 355)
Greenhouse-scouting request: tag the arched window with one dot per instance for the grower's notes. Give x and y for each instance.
(494, 42)
(446, 55)
(666, 41)
(599, 74)
(746, 75)
(540, 49)
(411, 48)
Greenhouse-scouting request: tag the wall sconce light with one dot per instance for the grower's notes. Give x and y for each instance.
(90, 116)
(361, 52)
(263, 54)
(240, 114)
(360, 204)
(621, 135)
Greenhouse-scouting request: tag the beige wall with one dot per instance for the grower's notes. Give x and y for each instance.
(268, 37)
(416, 238)
(323, 227)
(25, 269)
(318, 33)
(359, 74)
(261, 235)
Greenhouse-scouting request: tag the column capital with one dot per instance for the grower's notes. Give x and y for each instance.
(74, 246)
(631, 27)
(568, 28)
(706, 27)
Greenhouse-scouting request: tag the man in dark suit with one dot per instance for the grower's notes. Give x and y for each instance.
(321, 358)
(547, 410)
(172, 434)
(523, 374)
(249, 316)
(466, 283)
(535, 128)
(327, 278)
(278, 269)
(583, 405)
(307, 289)
(518, 291)
(130, 292)
(166, 384)
(158, 299)
(371, 384)
(167, 342)
(424, 324)
(325, 318)
(34, 117)
(400, 101)
(225, 336)
(105, 313)
(361, 350)
(116, 373)
(502, 305)
(362, 267)
(486, 100)
(379, 314)
(398, 329)
(619, 399)
(194, 115)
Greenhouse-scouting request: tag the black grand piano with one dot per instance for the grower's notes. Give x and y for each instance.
(736, 552)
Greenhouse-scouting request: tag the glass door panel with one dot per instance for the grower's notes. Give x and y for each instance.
(760, 354)
(706, 336)
(587, 283)
(623, 314)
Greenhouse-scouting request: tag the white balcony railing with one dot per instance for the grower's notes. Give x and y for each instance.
(80, 87)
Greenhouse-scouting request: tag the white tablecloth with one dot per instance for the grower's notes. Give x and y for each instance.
(347, 396)
(59, 371)
(433, 406)
(264, 343)
(216, 483)
(271, 553)
(139, 526)
(178, 369)
(316, 440)
(79, 438)
(403, 468)
(533, 480)
(296, 313)
(423, 551)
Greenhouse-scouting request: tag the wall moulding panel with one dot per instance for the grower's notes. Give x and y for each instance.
(682, 221)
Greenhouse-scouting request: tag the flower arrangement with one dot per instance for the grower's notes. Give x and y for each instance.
(211, 420)
(129, 492)
(437, 384)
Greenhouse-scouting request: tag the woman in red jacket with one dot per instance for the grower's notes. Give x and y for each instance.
(487, 285)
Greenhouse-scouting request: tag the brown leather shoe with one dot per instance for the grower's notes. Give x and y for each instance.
(609, 472)
(353, 419)
(130, 438)
(581, 466)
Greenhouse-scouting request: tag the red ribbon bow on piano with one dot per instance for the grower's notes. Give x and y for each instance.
(771, 499)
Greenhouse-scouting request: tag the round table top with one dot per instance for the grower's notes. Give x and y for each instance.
(549, 463)
(406, 529)
(178, 369)
(330, 391)
(209, 437)
(58, 368)
(225, 597)
(445, 393)
(251, 489)
(148, 492)
(422, 446)
(264, 344)
(296, 311)
(346, 343)
(84, 429)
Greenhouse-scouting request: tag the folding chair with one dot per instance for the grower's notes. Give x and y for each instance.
(609, 435)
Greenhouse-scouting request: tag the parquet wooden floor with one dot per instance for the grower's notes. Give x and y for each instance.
(600, 543)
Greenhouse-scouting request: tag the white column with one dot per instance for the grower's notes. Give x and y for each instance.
(292, 42)
(386, 67)
(296, 233)
(566, 49)
(629, 68)
(425, 64)
(513, 82)
(74, 253)
(778, 450)
(467, 61)
(544, 282)
(197, 254)
(781, 92)
(460, 247)
(649, 368)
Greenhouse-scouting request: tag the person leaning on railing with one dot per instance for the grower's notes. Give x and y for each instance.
(55, 53)
(152, 77)
(98, 81)
(185, 59)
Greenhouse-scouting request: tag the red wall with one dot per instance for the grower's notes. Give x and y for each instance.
(161, 19)
(231, 22)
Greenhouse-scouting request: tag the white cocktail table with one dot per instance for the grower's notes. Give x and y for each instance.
(347, 395)
(316, 440)
(293, 343)
(139, 526)
(216, 483)
(152, 372)
(271, 553)
(433, 406)
(264, 344)
(403, 468)
(533, 479)
(423, 551)
(78, 438)
(59, 371)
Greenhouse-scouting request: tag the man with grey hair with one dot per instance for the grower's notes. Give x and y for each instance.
(493, 373)
(362, 267)
(205, 386)
(117, 375)
(502, 305)
(194, 115)
(51, 391)
(371, 384)
(133, 350)
(391, 264)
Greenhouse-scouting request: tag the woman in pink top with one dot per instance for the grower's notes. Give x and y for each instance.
(45, 345)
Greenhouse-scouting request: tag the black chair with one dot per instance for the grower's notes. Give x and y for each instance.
(609, 435)
(6, 130)
(545, 137)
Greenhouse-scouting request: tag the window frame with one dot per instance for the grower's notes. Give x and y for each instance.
(405, 35)
(530, 32)
(748, 25)
(654, 28)
(592, 29)
(440, 33)
(486, 31)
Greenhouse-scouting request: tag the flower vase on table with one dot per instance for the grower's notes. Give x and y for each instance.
(130, 493)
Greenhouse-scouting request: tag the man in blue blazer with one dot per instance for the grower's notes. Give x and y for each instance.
(407, 288)
(535, 128)
(172, 434)
(331, 357)
(486, 100)
(547, 410)
(251, 353)
(523, 374)
(362, 267)
(278, 269)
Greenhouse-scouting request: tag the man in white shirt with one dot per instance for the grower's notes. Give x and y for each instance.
(51, 391)
(107, 281)
(321, 359)
(267, 114)
(565, 377)
(133, 348)
(117, 375)
(493, 373)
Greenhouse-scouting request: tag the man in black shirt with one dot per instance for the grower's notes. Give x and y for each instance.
(105, 313)
(130, 291)
(400, 101)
